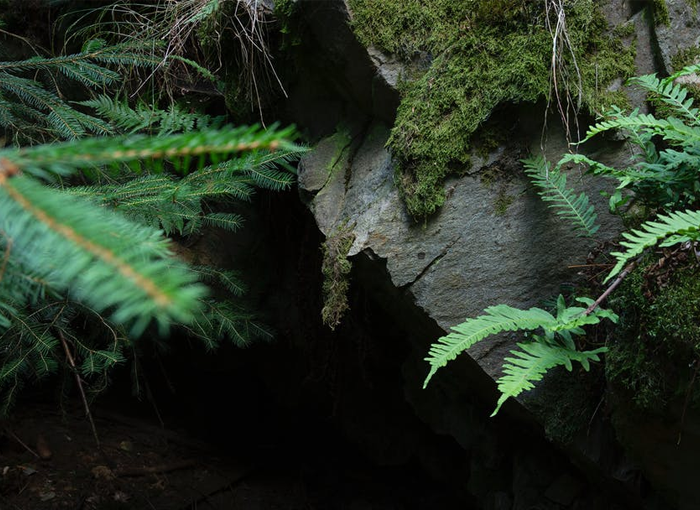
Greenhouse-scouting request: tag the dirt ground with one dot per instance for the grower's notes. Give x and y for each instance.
(142, 465)
(49, 460)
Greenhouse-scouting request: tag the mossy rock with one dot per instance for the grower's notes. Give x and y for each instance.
(652, 358)
(484, 54)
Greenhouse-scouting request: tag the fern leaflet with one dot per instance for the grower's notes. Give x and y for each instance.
(555, 347)
(496, 319)
(681, 226)
(532, 362)
(552, 188)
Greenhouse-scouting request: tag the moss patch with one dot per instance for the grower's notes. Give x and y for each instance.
(687, 57)
(484, 54)
(336, 271)
(568, 402)
(659, 12)
(658, 338)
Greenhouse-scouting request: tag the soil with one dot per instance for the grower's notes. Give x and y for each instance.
(139, 464)
(142, 465)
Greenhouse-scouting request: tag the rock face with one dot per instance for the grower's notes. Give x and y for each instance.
(494, 241)
(680, 33)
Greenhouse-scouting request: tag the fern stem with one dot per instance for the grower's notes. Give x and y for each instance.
(627, 270)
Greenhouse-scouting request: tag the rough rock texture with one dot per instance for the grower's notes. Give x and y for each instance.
(492, 242)
(681, 32)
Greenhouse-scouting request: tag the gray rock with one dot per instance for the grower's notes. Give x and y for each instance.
(682, 31)
(388, 68)
(474, 253)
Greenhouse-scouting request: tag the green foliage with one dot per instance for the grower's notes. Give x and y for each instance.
(148, 118)
(554, 347)
(108, 261)
(661, 178)
(336, 271)
(221, 319)
(33, 105)
(101, 258)
(653, 352)
(66, 256)
(675, 228)
(467, 58)
(183, 205)
(664, 174)
(552, 188)
(180, 150)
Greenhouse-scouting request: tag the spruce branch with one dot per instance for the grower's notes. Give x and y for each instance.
(67, 158)
(105, 260)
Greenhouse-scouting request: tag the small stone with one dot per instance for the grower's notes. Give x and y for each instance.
(126, 446)
(102, 473)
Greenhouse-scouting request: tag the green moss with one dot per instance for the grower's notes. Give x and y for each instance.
(565, 404)
(660, 12)
(485, 54)
(341, 140)
(336, 271)
(685, 57)
(502, 203)
(287, 14)
(657, 339)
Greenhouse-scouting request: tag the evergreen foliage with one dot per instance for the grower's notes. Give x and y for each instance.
(555, 347)
(65, 255)
(552, 188)
(148, 118)
(32, 105)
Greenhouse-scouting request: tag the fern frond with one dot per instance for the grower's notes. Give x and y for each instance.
(533, 361)
(101, 258)
(672, 94)
(634, 120)
(495, 320)
(552, 188)
(681, 225)
(626, 176)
